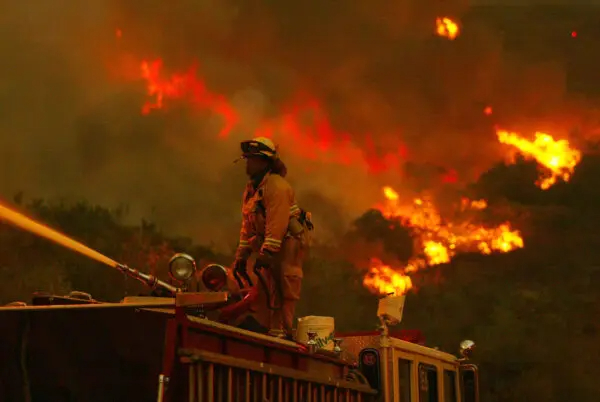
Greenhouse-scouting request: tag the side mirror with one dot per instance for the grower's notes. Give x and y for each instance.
(466, 348)
(469, 383)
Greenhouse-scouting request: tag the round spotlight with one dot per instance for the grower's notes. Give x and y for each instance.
(214, 277)
(182, 267)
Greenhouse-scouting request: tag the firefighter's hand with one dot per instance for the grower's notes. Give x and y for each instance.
(264, 260)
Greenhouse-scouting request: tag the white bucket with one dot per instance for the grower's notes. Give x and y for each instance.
(323, 326)
(391, 307)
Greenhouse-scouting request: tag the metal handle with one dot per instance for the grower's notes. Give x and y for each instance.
(312, 341)
(337, 345)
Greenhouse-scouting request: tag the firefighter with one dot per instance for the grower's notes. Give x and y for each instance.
(275, 230)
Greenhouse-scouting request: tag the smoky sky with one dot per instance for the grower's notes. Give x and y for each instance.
(71, 94)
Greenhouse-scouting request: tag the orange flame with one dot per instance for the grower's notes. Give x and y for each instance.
(557, 157)
(382, 279)
(390, 193)
(472, 204)
(447, 28)
(436, 241)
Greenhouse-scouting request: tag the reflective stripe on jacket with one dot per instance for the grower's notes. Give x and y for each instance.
(266, 213)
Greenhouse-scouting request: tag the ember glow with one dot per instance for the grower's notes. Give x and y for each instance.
(447, 28)
(185, 85)
(302, 126)
(436, 241)
(472, 204)
(557, 157)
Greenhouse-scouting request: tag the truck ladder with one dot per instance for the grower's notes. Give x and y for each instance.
(216, 377)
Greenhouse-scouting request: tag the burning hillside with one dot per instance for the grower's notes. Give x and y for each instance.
(436, 240)
(376, 94)
(305, 127)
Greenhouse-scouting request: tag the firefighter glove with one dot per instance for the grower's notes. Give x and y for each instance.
(264, 260)
(240, 272)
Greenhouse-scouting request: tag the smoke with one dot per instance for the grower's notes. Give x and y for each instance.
(411, 103)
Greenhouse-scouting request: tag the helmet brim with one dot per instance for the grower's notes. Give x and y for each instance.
(255, 148)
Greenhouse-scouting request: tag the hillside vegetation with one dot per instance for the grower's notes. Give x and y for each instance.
(534, 312)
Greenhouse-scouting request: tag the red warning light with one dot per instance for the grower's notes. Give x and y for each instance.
(573, 34)
(369, 359)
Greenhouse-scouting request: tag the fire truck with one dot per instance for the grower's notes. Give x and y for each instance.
(77, 349)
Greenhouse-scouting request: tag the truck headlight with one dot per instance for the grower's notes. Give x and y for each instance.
(466, 348)
(182, 267)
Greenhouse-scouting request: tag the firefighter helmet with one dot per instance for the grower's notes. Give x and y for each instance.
(259, 146)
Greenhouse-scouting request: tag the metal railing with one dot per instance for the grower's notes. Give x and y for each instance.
(215, 377)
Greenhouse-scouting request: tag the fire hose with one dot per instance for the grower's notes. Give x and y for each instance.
(242, 274)
(238, 308)
(276, 285)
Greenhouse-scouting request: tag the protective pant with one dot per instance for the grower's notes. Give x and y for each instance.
(287, 275)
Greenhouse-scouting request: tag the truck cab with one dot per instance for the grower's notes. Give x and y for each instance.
(402, 369)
